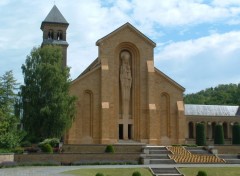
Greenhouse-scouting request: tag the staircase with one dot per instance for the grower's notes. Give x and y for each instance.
(197, 150)
(156, 155)
(230, 158)
(165, 172)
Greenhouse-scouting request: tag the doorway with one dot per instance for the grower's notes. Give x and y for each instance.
(120, 131)
(129, 131)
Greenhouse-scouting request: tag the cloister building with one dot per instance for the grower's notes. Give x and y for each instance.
(122, 96)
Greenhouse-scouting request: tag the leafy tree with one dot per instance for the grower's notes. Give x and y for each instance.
(48, 109)
(200, 134)
(227, 94)
(219, 135)
(10, 136)
(236, 134)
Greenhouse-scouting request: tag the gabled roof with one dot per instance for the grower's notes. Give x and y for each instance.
(127, 25)
(55, 16)
(211, 110)
(169, 79)
(94, 64)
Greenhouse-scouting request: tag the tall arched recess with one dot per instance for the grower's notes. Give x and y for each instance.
(87, 125)
(165, 114)
(135, 90)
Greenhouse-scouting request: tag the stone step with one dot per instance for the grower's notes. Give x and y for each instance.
(228, 156)
(232, 161)
(199, 152)
(196, 150)
(165, 172)
(162, 161)
(157, 157)
(156, 148)
(159, 152)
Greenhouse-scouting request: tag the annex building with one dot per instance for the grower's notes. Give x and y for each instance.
(122, 96)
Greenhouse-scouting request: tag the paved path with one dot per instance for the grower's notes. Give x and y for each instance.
(57, 170)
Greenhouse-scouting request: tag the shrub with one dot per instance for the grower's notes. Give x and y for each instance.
(2, 150)
(236, 134)
(54, 142)
(202, 173)
(109, 149)
(219, 136)
(200, 134)
(47, 148)
(18, 150)
(99, 174)
(26, 144)
(136, 173)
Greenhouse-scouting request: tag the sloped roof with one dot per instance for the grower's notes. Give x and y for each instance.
(169, 79)
(55, 16)
(131, 27)
(93, 65)
(211, 110)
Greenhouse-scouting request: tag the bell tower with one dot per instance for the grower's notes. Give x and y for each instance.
(54, 29)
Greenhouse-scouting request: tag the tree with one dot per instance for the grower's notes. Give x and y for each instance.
(219, 135)
(10, 136)
(225, 94)
(48, 109)
(236, 134)
(200, 134)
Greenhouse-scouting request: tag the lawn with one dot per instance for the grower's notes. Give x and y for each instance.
(110, 172)
(213, 171)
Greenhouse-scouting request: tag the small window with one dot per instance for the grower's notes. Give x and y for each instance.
(50, 34)
(59, 35)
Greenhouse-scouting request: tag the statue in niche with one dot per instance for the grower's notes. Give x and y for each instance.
(126, 81)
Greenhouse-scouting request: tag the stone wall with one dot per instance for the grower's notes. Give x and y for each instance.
(101, 148)
(228, 149)
(76, 158)
(6, 158)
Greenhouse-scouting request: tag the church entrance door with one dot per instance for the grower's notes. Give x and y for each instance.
(120, 131)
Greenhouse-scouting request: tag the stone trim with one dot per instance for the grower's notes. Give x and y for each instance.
(105, 105)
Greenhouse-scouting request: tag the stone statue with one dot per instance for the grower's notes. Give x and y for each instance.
(126, 81)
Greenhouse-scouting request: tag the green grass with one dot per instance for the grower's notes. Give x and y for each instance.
(213, 171)
(110, 172)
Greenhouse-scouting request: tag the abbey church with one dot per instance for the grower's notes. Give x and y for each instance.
(123, 97)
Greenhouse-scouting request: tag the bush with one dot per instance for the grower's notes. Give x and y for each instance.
(11, 140)
(54, 142)
(99, 174)
(219, 136)
(136, 173)
(5, 150)
(109, 149)
(202, 173)
(236, 134)
(47, 148)
(200, 134)
(18, 150)
(26, 144)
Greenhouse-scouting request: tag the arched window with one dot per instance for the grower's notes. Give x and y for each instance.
(225, 130)
(50, 34)
(59, 35)
(190, 130)
(87, 113)
(165, 114)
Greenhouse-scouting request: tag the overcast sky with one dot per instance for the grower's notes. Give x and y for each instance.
(198, 41)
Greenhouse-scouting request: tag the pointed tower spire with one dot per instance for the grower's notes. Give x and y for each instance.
(54, 29)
